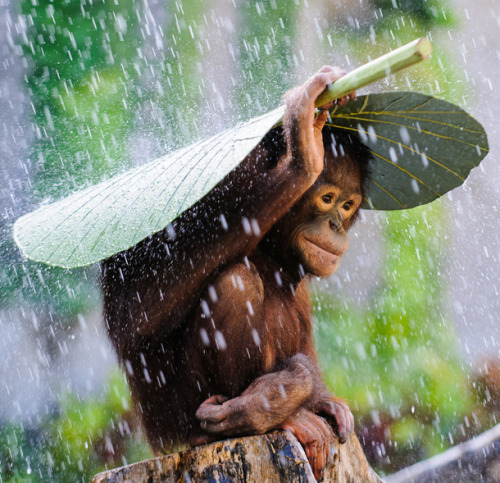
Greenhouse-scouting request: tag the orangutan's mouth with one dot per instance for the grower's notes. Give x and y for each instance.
(326, 252)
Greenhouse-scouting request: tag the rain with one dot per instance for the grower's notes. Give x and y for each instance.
(406, 330)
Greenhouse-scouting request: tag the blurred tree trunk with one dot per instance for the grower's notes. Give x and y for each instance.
(475, 460)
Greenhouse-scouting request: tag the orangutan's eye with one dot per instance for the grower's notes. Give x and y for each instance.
(327, 199)
(348, 205)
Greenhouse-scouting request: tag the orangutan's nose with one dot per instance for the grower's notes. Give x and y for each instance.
(335, 223)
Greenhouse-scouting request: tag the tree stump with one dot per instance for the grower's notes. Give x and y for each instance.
(276, 456)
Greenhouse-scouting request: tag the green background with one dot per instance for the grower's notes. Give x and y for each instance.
(104, 86)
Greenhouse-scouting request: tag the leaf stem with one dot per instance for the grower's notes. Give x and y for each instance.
(405, 56)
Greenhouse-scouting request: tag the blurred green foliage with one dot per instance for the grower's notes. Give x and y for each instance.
(80, 77)
(267, 54)
(395, 360)
(53, 292)
(81, 439)
(79, 89)
(431, 13)
(177, 88)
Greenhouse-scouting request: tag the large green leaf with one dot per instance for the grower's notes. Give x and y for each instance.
(114, 215)
(422, 148)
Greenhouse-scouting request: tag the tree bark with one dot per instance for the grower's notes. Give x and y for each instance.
(276, 456)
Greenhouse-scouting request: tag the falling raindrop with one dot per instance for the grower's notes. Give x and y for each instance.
(372, 136)
(393, 155)
(405, 136)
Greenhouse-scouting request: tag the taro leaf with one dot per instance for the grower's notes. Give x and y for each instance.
(422, 148)
(116, 214)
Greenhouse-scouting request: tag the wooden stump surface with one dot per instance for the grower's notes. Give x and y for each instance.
(276, 456)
